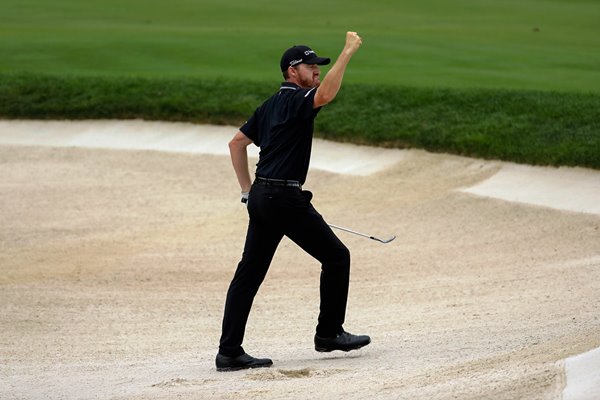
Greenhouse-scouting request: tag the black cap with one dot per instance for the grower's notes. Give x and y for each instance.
(301, 54)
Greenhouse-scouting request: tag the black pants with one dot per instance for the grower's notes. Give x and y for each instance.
(276, 211)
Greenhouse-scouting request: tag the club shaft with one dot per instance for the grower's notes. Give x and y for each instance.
(350, 231)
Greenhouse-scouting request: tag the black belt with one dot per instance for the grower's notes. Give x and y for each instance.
(277, 182)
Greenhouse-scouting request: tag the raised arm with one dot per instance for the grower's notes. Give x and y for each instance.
(332, 82)
(239, 158)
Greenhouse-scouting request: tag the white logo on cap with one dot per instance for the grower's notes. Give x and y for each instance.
(294, 62)
(307, 52)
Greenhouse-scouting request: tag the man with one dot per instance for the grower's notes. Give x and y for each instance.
(283, 128)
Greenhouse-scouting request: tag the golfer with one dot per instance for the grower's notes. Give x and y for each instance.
(283, 129)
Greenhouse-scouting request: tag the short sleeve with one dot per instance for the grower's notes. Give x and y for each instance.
(304, 101)
(250, 129)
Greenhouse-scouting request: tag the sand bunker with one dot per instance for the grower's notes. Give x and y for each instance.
(115, 262)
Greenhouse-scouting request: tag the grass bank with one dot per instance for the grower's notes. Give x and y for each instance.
(533, 127)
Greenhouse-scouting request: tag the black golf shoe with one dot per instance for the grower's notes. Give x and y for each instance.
(343, 341)
(244, 361)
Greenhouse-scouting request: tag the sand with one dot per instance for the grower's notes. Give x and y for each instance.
(115, 265)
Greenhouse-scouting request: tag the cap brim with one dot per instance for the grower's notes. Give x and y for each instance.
(318, 61)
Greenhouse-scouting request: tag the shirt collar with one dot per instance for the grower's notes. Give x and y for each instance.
(289, 85)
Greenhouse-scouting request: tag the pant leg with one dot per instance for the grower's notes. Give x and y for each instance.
(308, 229)
(262, 240)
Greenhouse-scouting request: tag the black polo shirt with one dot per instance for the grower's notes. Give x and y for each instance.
(283, 129)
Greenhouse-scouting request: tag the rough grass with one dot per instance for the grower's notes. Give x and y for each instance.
(534, 127)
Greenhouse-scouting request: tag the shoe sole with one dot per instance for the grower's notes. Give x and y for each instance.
(231, 369)
(346, 349)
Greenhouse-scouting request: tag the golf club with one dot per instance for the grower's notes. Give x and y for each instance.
(362, 234)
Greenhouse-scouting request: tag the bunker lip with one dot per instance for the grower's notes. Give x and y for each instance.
(581, 373)
(564, 188)
(179, 137)
(570, 189)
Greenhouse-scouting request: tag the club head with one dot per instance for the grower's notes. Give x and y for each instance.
(384, 240)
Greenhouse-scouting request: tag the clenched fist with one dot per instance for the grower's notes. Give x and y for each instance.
(353, 42)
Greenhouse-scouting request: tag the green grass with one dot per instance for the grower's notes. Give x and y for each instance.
(508, 44)
(516, 80)
(535, 127)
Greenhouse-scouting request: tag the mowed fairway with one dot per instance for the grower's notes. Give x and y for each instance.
(531, 44)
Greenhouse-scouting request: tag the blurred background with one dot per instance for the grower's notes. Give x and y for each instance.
(524, 44)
